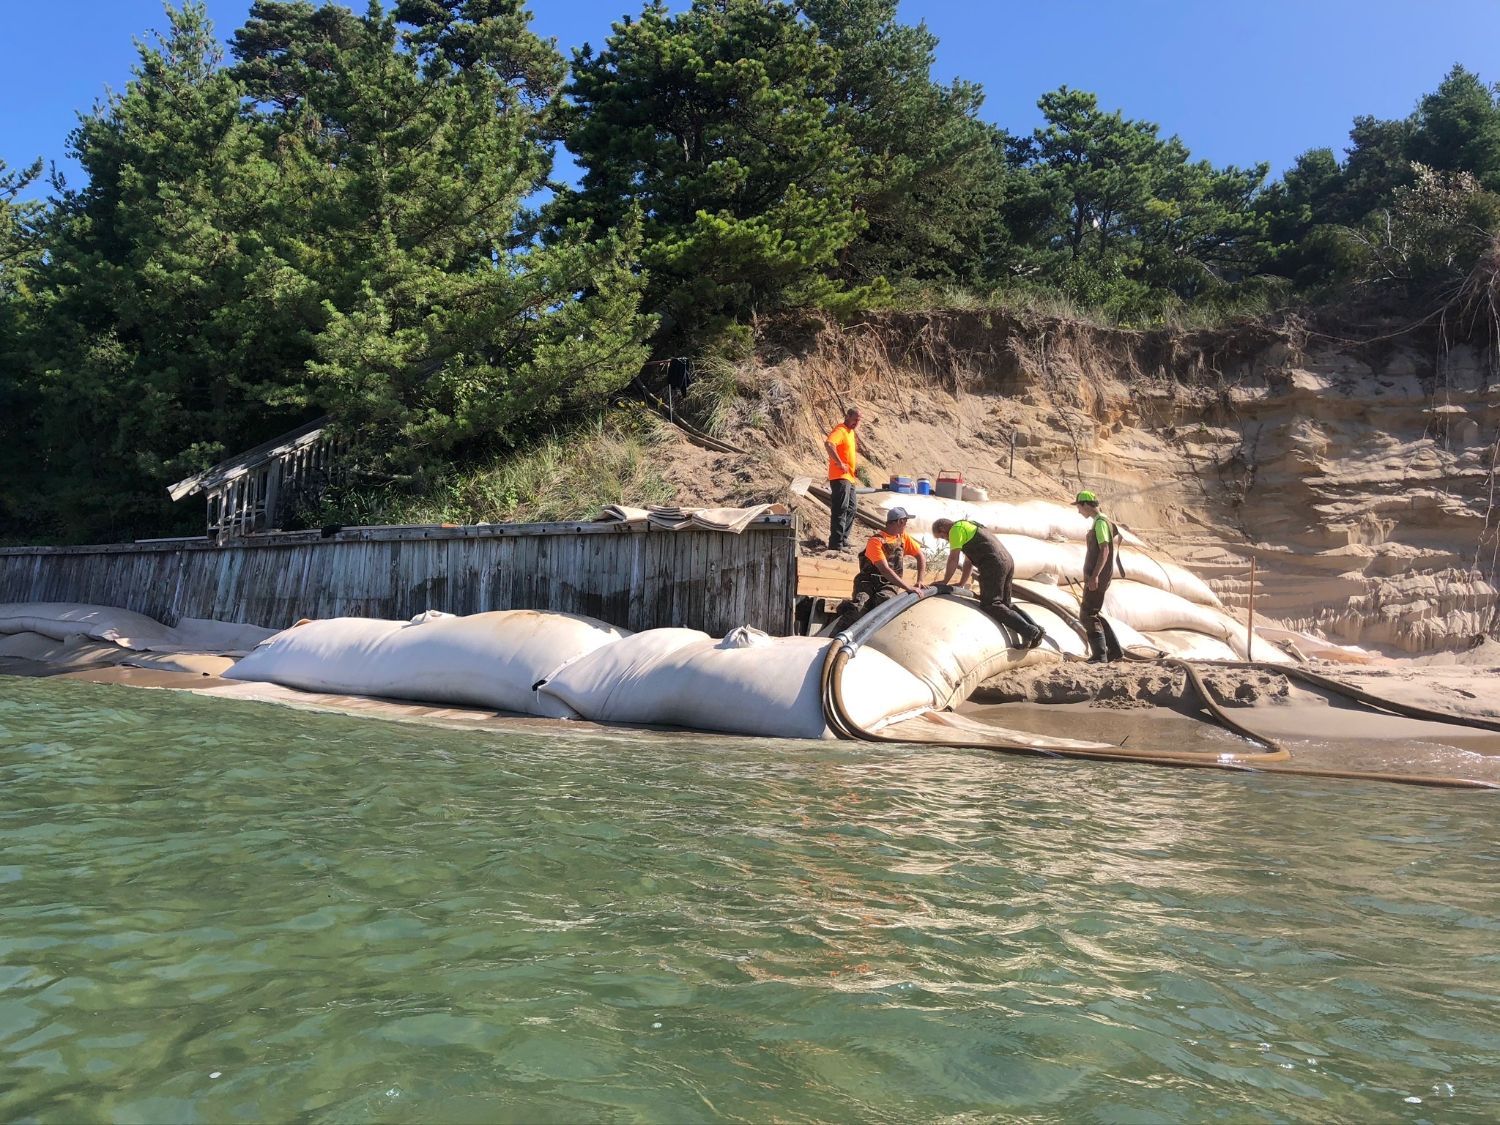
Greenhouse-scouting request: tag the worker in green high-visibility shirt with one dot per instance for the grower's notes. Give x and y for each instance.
(1100, 549)
(979, 548)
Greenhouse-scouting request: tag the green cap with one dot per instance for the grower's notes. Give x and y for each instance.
(1085, 497)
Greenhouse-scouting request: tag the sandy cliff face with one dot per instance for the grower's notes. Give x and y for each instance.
(1359, 476)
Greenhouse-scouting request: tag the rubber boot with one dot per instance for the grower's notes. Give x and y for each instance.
(1112, 644)
(1035, 634)
(1098, 646)
(1027, 630)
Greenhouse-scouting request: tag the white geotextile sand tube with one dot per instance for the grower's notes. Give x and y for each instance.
(1046, 540)
(136, 631)
(953, 646)
(1035, 519)
(1152, 611)
(1184, 644)
(484, 660)
(748, 683)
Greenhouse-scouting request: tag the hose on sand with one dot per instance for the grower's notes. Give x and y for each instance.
(1272, 757)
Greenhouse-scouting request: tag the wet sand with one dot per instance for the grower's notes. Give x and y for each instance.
(1145, 707)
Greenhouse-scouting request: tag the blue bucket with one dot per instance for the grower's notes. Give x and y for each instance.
(924, 486)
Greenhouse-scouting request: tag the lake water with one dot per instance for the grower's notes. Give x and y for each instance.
(227, 911)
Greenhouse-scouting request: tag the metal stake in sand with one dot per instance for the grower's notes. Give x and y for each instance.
(1250, 615)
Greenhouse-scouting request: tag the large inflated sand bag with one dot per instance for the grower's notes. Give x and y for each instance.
(1167, 576)
(123, 627)
(483, 660)
(1187, 645)
(1150, 609)
(1041, 560)
(619, 681)
(1036, 519)
(746, 684)
(953, 646)
(61, 620)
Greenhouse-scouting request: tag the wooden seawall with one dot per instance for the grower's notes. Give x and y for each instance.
(631, 576)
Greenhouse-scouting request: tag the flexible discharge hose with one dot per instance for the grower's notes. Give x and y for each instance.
(1273, 758)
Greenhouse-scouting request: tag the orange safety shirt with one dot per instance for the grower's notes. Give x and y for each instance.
(842, 439)
(891, 549)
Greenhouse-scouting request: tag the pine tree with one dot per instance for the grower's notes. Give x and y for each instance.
(933, 174)
(145, 363)
(407, 143)
(716, 126)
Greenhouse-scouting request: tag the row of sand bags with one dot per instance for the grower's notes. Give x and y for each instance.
(1045, 539)
(562, 665)
(1035, 519)
(1144, 615)
(1059, 563)
(62, 621)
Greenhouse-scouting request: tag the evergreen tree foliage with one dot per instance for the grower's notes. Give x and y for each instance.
(1133, 220)
(933, 175)
(333, 224)
(21, 248)
(1409, 209)
(412, 152)
(1294, 208)
(1456, 128)
(149, 344)
(715, 124)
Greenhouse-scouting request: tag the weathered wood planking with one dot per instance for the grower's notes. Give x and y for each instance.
(640, 578)
(826, 578)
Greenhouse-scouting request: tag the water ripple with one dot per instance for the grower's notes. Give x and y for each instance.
(215, 910)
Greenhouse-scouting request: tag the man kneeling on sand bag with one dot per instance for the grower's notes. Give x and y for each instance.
(981, 550)
(882, 569)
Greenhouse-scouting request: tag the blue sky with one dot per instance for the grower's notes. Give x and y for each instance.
(1237, 81)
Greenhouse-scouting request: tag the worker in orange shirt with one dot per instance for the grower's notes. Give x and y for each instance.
(843, 460)
(882, 564)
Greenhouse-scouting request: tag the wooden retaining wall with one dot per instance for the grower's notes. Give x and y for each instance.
(634, 577)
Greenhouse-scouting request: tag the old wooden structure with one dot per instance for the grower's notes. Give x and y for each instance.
(255, 490)
(630, 575)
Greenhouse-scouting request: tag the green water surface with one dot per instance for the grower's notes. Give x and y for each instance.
(224, 911)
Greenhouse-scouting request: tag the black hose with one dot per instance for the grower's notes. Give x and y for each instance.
(1274, 759)
(1360, 695)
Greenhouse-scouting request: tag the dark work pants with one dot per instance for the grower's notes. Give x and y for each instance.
(1101, 637)
(995, 584)
(1092, 605)
(842, 514)
(867, 598)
